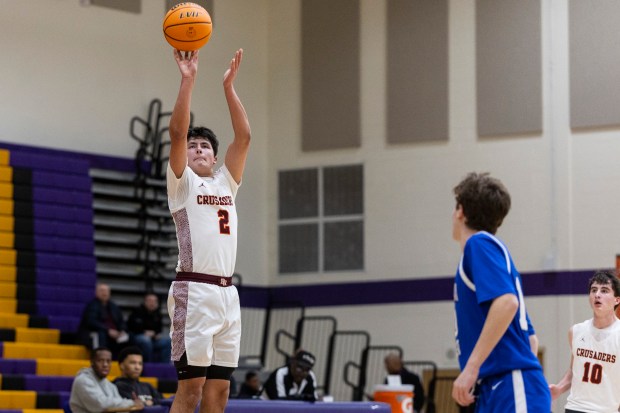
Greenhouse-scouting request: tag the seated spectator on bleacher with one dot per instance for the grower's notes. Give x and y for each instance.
(92, 392)
(394, 366)
(295, 381)
(145, 327)
(102, 323)
(250, 388)
(129, 384)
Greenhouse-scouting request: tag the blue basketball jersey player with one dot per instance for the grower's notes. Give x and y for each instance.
(495, 340)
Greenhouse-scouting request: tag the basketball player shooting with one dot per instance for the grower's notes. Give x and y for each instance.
(202, 302)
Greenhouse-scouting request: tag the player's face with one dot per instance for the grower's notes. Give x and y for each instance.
(200, 156)
(132, 366)
(602, 298)
(101, 363)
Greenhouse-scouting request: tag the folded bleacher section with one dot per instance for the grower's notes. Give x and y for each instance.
(47, 262)
(47, 275)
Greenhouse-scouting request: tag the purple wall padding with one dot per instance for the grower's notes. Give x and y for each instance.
(47, 383)
(64, 294)
(66, 262)
(160, 370)
(50, 308)
(62, 197)
(86, 279)
(46, 227)
(47, 179)
(47, 162)
(64, 213)
(286, 406)
(44, 243)
(93, 160)
(403, 291)
(66, 324)
(18, 366)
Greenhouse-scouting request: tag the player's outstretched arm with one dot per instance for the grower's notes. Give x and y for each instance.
(237, 152)
(180, 119)
(565, 382)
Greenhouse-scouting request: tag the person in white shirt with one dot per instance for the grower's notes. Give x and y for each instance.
(593, 377)
(202, 302)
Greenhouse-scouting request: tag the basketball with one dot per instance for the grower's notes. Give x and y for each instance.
(187, 27)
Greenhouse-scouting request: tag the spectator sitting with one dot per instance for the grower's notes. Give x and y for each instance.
(92, 392)
(250, 388)
(145, 327)
(130, 363)
(104, 318)
(394, 366)
(295, 381)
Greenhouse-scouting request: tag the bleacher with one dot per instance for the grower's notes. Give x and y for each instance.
(47, 274)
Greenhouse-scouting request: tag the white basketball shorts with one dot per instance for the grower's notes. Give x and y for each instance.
(205, 323)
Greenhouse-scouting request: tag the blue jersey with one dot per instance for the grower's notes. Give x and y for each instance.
(486, 271)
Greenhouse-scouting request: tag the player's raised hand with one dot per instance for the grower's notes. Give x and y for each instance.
(231, 72)
(187, 62)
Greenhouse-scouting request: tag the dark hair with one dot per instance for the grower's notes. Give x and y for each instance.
(128, 351)
(606, 277)
(250, 374)
(93, 352)
(485, 201)
(200, 132)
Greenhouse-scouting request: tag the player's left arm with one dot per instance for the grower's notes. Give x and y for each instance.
(237, 152)
(501, 313)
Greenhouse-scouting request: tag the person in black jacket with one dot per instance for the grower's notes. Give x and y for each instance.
(295, 381)
(145, 327)
(129, 384)
(102, 323)
(394, 366)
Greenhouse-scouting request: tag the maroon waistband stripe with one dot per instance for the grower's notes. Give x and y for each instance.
(204, 278)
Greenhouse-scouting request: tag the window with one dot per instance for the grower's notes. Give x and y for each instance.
(320, 219)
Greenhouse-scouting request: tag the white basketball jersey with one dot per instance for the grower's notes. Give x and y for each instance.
(205, 217)
(595, 386)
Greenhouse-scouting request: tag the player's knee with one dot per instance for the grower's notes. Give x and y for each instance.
(219, 372)
(189, 393)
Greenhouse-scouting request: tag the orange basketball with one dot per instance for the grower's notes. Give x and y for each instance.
(187, 26)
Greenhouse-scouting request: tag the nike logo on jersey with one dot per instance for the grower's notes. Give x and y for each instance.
(493, 387)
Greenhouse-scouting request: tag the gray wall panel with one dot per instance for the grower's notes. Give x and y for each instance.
(594, 36)
(509, 67)
(417, 70)
(330, 74)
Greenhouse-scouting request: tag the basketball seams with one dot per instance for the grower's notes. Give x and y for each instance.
(182, 40)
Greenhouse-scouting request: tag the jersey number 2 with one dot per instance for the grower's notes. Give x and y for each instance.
(223, 216)
(593, 376)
